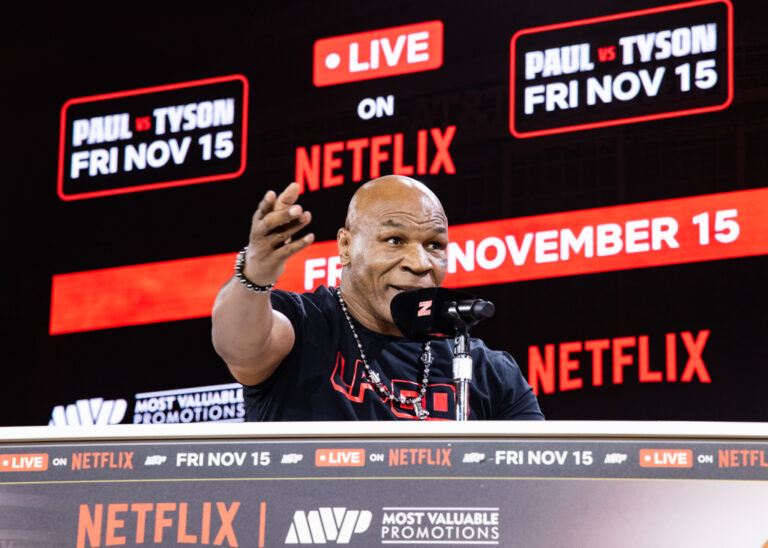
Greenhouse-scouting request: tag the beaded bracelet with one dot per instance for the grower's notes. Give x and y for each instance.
(239, 266)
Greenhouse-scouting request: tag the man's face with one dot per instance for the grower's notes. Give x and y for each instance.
(396, 243)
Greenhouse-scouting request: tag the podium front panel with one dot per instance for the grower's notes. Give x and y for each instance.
(504, 484)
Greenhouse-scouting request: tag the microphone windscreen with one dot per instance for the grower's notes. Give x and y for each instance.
(419, 313)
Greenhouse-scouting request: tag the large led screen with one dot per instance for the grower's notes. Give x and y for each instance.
(603, 168)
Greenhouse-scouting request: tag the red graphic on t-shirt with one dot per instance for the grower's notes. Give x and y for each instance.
(439, 399)
(436, 400)
(347, 381)
(440, 402)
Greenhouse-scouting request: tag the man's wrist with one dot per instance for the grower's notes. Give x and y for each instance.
(240, 275)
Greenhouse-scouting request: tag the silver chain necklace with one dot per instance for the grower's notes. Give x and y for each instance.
(375, 379)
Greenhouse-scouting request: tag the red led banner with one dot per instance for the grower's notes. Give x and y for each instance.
(681, 230)
(137, 294)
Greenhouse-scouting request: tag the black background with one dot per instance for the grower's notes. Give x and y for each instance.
(52, 53)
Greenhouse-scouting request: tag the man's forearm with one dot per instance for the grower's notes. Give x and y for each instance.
(241, 322)
(247, 334)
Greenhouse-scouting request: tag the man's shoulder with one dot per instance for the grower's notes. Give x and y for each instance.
(500, 375)
(299, 305)
(320, 295)
(480, 350)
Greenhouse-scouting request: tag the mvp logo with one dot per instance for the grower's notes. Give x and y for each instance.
(327, 525)
(89, 412)
(378, 53)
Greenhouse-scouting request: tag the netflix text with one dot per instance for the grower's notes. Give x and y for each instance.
(208, 523)
(103, 459)
(742, 458)
(324, 166)
(570, 365)
(420, 456)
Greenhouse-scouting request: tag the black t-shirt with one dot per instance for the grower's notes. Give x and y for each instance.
(322, 377)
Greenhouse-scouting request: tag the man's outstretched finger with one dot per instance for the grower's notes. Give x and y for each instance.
(284, 232)
(288, 196)
(275, 220)
(265, 205)
(295, 246)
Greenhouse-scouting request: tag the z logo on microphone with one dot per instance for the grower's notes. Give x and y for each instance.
(425, 308)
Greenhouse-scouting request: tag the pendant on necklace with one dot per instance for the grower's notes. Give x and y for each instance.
(421, 413)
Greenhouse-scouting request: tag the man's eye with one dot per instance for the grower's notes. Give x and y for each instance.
(394, 240)
(437, 246)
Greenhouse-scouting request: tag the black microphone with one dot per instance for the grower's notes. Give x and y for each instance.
(423, 314)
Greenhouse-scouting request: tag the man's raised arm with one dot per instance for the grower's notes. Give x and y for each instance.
(251, 337)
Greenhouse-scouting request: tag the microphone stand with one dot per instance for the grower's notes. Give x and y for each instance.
(462, 361)
(463, 315)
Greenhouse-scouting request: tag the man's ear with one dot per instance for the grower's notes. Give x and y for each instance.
(344, 243)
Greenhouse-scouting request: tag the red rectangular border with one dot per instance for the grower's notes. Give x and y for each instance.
(142, 91)
(619, 121)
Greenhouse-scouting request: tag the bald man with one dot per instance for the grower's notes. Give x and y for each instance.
(336, 353)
